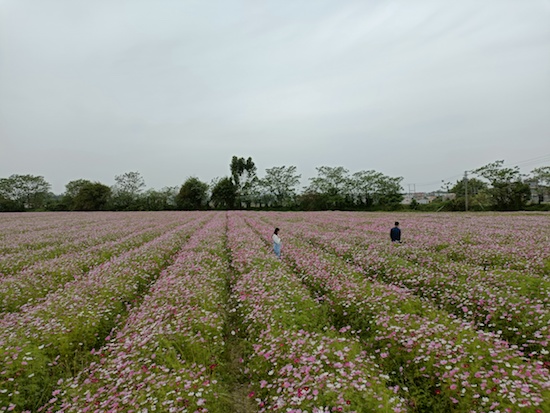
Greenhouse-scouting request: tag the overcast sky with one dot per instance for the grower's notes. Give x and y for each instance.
(174, 88)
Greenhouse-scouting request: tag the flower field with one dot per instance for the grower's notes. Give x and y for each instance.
(193, 312)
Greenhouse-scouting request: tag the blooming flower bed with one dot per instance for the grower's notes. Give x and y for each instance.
(42, 341)
(193, 312)
(298, 362)
(36, 281)
(512, 304)
(27, 246)
(164, 358)
(400, 328)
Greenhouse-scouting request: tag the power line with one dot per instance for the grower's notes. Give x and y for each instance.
(541, 158)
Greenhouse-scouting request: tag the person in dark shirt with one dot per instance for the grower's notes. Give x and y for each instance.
(395, 233)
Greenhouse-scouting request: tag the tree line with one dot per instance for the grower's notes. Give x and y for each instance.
(499, 188)
(495, 187)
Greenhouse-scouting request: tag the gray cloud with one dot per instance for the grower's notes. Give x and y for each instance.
(419, 89)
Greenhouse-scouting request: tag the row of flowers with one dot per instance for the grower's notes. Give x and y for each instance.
(495, 241)
(295, 361)
(439, 361)
(33, 231)
(22, 247)
(43, 342)
(514, 306)
(167, 355)
(34, 282)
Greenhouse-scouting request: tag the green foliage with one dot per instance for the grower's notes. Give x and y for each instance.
(333, 183)
(162, 200)
(8, 205)
(311, 201)
(476, 190)
(71, 191)
(333, 188)
(224, 194)
(510, 196)
(495, 188)
(243, 172)
(193, 195)
(508, 192)
(91, 197)
(126, 192)
(26, 192)
(281, 182)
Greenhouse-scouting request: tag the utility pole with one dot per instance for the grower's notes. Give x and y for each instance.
(466, 191)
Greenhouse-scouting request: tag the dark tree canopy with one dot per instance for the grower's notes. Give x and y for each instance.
(92, 196)
(193, 195)
(71, 191)
(224, 194)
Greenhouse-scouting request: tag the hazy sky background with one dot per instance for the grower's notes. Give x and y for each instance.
(174, 88)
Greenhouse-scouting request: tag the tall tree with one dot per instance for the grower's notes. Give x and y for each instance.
(193, 195)
(127, 190)
(92, 196)
(224, 193)
(26, 191)
(333, 183)
(388, 191)
(243, 172)
(508, 191)
(364, 186)
(71, 191)
(281, 182)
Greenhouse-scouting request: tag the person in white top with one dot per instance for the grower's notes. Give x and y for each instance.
(277, 243)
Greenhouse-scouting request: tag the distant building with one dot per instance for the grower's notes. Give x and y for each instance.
(539, 194)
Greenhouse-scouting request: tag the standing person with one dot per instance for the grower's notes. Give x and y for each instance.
(277, 243)
(395, 233)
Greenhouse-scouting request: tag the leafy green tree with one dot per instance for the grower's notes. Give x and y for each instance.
(127, 191)
(8, 205)
(389, 191)
(477, 194)
(163, 200)
(28, 192)
(71, 191)
(281, 182)
(224, 193)
(92, 196)
(508, 191)
(313, 201)
(55, 202)
(193, 195)
(364, 186)
(243, 172)
(336, 189)
(73, 188)
(333, 183)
